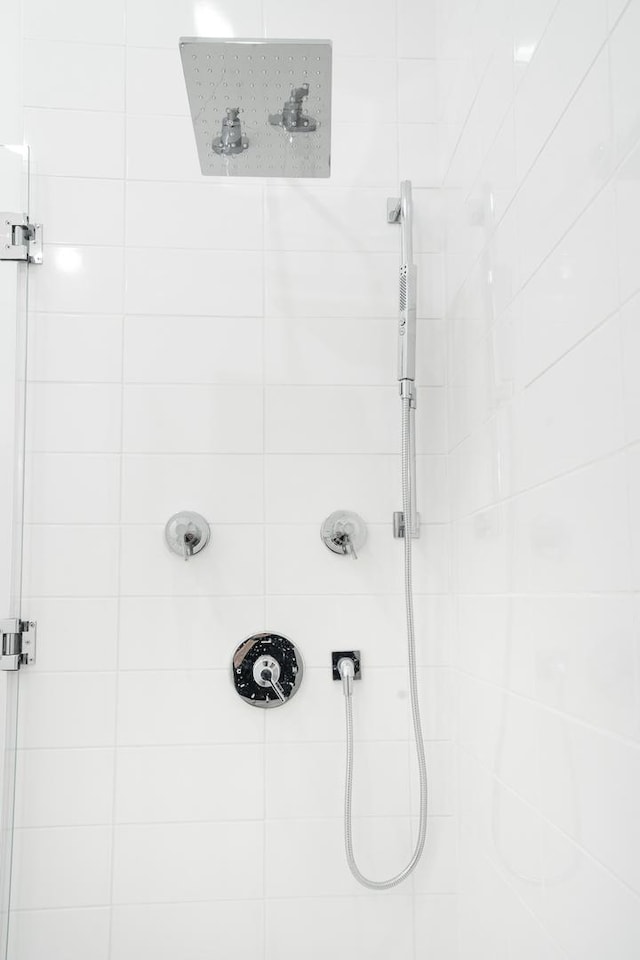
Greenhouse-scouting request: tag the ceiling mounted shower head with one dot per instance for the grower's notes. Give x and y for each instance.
(260, 108)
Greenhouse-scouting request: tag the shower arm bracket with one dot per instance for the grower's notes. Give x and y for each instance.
(394, 209)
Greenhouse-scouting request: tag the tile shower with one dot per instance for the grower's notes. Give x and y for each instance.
(228, 347)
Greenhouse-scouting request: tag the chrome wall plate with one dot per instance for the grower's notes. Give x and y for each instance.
(267, 670)
(187, 533)
(344, 532)
(280, 94)
(338, 655)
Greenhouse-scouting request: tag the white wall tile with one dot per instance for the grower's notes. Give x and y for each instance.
(81, 632)
(378, 618)
(354, 284)
(347, 351)
(417, 91)
(224, 489)
(61, 867)
(298, 562)
(72, 488)
(64, 787)
(354, 33)
(86, 348)
(342, 218)
(625, 84)
(307, 780)
(352, 75)
(306, 489)
(555, 72)
(163, 784)
(627, 186)
(65, 934)
(155, 82)
(74, 417)
(153, 24)
(209, 629)
(192, 419)
(574, 412)
(364, 154)
(72, 20)
(318, 713)
(436, 872)
(418, 153)
(232, 563)
(586, 658)
(581, 884)
(80, 211)
(161, 148)
(68, 710)
(91, 561)
(369, 924)
(347, 420)
(160, 929)
(229, 217)
(76, 279)
(183, 282)
(436, 926)
(575, 289)
(192, 350)
(73, 76)
(74, 143)
(574, 163)
(416, 28)
(556, 544)
(185, 861)
(630, 330)
(589, 782)
(163, 707)
(381, 845)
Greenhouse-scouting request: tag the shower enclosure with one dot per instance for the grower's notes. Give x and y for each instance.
(212, 463)
(14, 198)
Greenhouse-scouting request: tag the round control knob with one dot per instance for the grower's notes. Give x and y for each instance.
(267, 670)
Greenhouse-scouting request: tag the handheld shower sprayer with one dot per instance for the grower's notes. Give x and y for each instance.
(406, 526)
(401, 211)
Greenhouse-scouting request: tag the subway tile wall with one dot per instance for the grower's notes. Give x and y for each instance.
(226, 347)
(539, 127)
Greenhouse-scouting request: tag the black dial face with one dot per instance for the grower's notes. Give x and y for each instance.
(275, 647)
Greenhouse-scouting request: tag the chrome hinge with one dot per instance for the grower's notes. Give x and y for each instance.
(18, 643)
(20, 239)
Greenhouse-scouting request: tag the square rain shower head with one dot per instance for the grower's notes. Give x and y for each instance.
(260, 108)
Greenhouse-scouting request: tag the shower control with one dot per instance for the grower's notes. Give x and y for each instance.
(292, 118)
(344, 532)
(231, 141)
(338, 655)
(187, 533)
(267, 670)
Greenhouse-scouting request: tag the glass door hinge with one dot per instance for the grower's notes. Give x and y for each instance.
(18, 646)
(19, 238)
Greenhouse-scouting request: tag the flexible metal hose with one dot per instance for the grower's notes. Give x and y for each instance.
(407, 415)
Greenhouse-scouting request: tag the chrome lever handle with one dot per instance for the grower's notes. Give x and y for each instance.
(267, 676)
(190, 540)
(349, 547)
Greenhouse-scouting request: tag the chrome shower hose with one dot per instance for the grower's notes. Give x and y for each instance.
(407, 416)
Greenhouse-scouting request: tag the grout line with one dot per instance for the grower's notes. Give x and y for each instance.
(223, 821)
(119, 556)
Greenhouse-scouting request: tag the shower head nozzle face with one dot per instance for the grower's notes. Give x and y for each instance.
(280, 94)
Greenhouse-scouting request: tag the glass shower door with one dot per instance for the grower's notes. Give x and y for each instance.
(14, 199)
